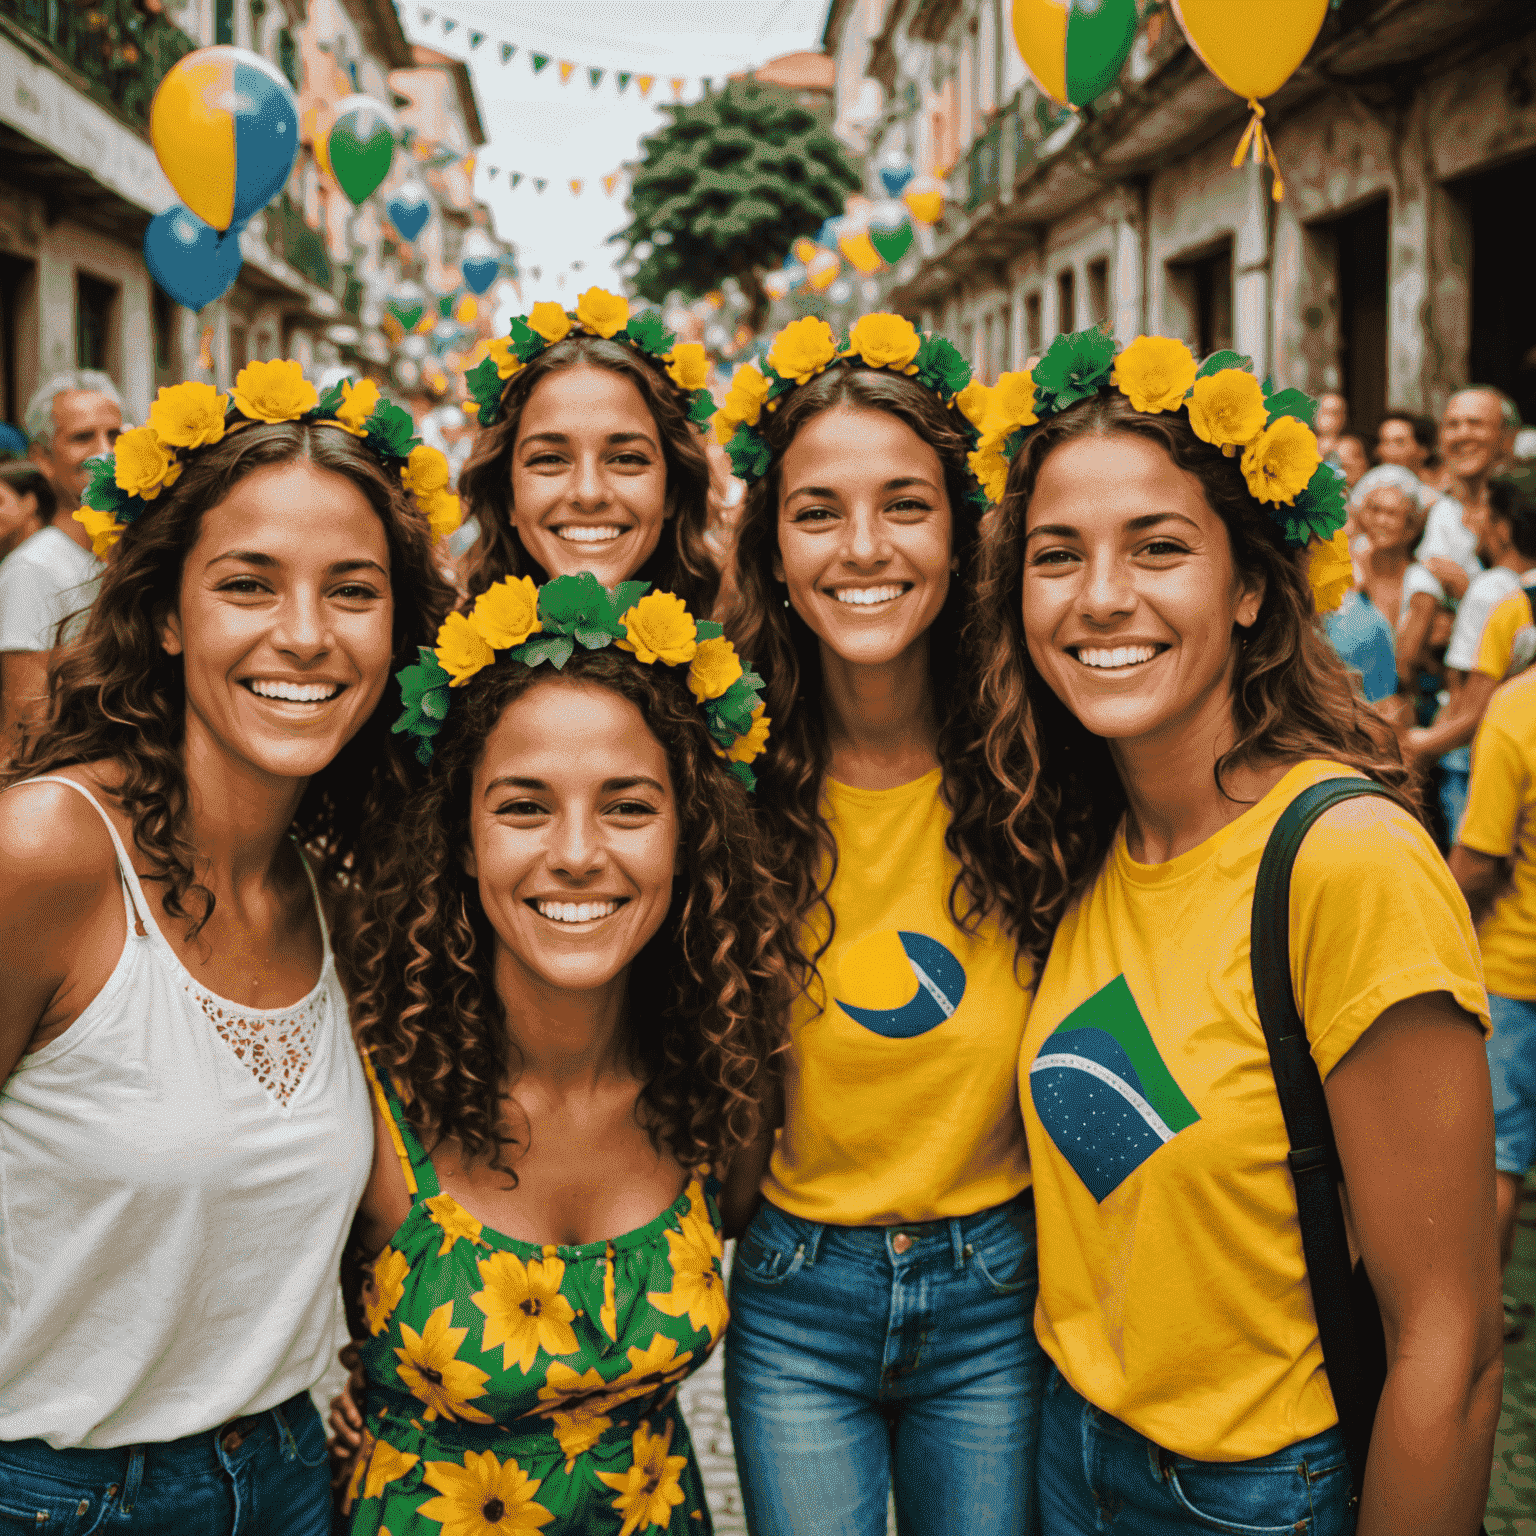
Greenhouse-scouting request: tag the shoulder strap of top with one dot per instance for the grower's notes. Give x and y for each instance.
(133, 893)
(314, 886)
(420, 1176)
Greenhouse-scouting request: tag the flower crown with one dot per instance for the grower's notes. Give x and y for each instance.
(598, 313)
(534, 624)
(186, 417)
(808, 346)
(1228, 407)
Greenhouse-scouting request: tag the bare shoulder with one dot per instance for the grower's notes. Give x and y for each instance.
(53, 846)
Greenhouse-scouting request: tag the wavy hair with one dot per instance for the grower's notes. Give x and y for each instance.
(681, 561)
(783, 647)
(117, 696)
(706, 995)
(1062, 798)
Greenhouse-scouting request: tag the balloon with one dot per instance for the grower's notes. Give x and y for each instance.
(189, 258)
(408, 304)
(840, 291)
(1074, 48)
(895, 172)
(859, 251)
(361, 145)
(479, 261)
(890, 230)
(794, 274)
(776, 284)
(826, 236)
(225, 128)
(803, 250)
(925, 199)
(822, 271)
(322, 148)
(409, 209)
(1252, 46)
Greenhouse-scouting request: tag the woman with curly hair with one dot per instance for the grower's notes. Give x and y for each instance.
(588, 456)
(882, 1293)
(568, 991)
(1161, 700)
(184, 1126)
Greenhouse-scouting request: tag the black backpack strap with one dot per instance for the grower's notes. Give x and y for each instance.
(1348, 1324)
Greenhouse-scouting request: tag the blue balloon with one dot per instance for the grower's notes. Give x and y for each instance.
(480, 272)
(894, 178)
(409, 209)
(189, 259)
(826, 236)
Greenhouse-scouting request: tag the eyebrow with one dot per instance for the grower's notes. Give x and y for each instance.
(271, 562)
(613, 437)
(900, 482)
(609, 786)
(1135, 525)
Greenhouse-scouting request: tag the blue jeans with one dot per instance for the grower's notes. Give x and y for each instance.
(1512, 1066)
(862, 1358)
(1097, 1474)
(263, 1476)
(1455, 785)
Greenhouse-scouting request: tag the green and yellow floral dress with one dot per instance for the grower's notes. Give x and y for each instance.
(513, 1388)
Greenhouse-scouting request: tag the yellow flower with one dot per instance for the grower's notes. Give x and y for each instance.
(524, 1310)
(688, 365)
(102, 527)
(884, 341)
(275, 391)
(189, 415)
(581, 1400)
(359, 1467)
(743, 403)
(484, 1497)
(745, 748)
(550, 321)
(1279, 462)
(715, 667)
(358, 402)
(461, 652)
(577, 1433)
(506, 360)
(1330, 570)
(430, 1368)
(990, 468)
(1155, 373)
(425, 471)
(1010, 405)
(388, 1284)
(444, 1210)
(973, 401)
(443, 513)
(802, 349)
(1227, 408)
(145, 466)
(660, 628)
(651, 1488)
(602, 313)
(385, 1465)
(507, 612)
(697, 1288)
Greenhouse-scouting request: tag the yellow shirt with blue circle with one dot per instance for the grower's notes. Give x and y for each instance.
(901, 1101)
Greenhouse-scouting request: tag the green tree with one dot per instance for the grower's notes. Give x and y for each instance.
(725, 189)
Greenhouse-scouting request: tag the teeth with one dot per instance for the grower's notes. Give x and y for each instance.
(584, 533)
(864, 597)
(1121, 656)
(295, 693)
(576, 911)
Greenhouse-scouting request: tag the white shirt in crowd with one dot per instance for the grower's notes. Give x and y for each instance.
(1447, 537)
(1485, 594)
(43, 581)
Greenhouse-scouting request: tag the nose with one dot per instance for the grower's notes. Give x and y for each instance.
(588, 489)
(300, 629)
(865, 541)
(575, 844)
(1108, 592)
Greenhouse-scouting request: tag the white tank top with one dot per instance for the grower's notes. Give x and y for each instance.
(177, 1178)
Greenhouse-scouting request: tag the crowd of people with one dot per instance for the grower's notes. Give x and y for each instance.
(444, 940)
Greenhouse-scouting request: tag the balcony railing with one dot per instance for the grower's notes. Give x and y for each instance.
(120, 50)
(298, 242)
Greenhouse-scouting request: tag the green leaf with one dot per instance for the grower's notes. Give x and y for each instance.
(721, 730)
(331, 400)
(749, 454)
(555, 649)
(940, 366)
(1219, 360)
(627, 593)
(595, 639)
(709, 630)
(1290, 402)
(571, 603)
(736, 704)
(1073, 368)
(702, 411)
(647, 332)
(742, 772)
(526, 342)
(1319, 510)
(391, 430)
(435, 702)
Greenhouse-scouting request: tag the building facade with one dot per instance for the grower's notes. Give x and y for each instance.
(1393, 270)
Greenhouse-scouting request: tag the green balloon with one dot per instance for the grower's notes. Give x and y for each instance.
(408, 314)
(1099, 36)
(892, 244)
(361, 146)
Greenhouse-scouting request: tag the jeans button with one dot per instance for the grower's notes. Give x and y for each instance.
(232, 1441)
(901, 1242)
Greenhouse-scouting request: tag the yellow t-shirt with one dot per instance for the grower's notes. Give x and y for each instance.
(1508, 642)
(1501, 822)
(901, 1103)
(1173, 1289)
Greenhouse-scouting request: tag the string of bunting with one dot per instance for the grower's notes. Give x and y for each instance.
(435, 156)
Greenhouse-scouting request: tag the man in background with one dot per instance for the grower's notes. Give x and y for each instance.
(53, 575)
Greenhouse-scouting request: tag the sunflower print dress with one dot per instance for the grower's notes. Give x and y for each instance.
(514, 1389)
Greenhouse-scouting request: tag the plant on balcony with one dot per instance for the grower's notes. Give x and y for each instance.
(726, 187)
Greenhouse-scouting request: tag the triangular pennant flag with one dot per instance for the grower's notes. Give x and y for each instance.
(576, 185)
(448, 25)
(513, 178)
(540, 182)
(610, 181)
(623, 80)
(492, 172)
(567, 69)
(677, 83)
(426, 17)
(595, 77)
(645, 82)
(507, 50)
(476, 38)
(539, 61)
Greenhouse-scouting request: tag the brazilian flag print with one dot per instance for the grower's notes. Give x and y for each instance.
(1102, 1092)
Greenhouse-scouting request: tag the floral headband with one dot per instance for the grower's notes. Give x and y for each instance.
(186, 417)
(514, 618)
(808, 346)
(1228, 407)
(598, 313)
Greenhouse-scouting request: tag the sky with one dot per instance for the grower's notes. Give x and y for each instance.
(546, 129)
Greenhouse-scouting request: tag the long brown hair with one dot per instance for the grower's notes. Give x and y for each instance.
(1062, 799)
(681, 561)
(785, 650)
(117, 696)
(706, 996)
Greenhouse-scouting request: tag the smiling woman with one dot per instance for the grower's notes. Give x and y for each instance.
(183, 1106)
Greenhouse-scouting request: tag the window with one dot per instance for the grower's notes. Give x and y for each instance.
(1200, 300)
(1098, 291)
(223, 21)
(16, 287)
(239, 349)
(1066, 301)
(1034, 332)
(163, 318)
(95, 312)
(288, 58)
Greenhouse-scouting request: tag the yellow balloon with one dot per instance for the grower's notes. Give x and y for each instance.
(860, 253)
(804, 249)
(468, 310)
(1252, 46)
(924, 204)
(1040, 30)
(323, 151)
